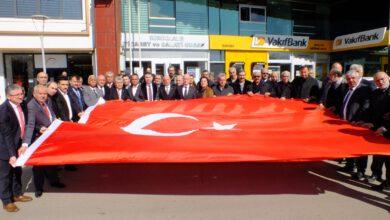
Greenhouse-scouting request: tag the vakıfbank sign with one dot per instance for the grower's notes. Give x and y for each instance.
(363, 38)
(280, 41)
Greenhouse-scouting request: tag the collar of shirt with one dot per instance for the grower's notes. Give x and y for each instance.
(62, 93)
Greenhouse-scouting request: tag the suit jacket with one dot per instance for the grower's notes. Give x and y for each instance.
(192, 94)
(335, 95)
(358, 104)
(144, 94)
(379, 106)
(284, 90)
(162, 94)
(80, 104)
(137, 96)
(115, 96)
(91, 97)
(9, 130)
(106, 95)
(263, 87)
(36, 120)
(306, 88)
(62, 109)
(247, 87)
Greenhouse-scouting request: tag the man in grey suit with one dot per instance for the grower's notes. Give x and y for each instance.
(40, 116)
(91, 93)
(186, 91)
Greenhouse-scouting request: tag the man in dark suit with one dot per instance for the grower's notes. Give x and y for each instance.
(135, 89)
(148, 88)
(118, 92)
(360, 70)
(186, 91)
(379, 106)
(334, 92)
(284, 88)
(167, 91)
(261, 84)
(102, 87)
(355, 105)
(13, 118)
(76, 94)
(242, 86)
(40, 116)
(305, 86)
(41, 79)
(232, 76)
(66, 107)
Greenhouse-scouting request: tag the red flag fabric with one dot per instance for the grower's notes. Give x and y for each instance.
(223, 129)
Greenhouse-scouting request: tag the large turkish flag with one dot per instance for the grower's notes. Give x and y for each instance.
(224, 129)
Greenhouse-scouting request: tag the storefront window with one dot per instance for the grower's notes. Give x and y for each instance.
(19, 69)
(80, 64)
(162, 8)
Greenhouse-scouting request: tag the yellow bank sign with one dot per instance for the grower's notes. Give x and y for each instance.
(280, 41)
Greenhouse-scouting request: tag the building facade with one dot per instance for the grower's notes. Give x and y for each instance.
(67, 39)
(246, 34)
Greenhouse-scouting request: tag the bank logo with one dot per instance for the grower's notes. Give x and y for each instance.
(360, 39)
(280, 41)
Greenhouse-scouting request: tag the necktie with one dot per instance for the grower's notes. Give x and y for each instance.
(22, 122)
(186, 91)
(94, 91)
(150, 96)
(167, 89)
(345, 102)
(120, 94)
(46, 109)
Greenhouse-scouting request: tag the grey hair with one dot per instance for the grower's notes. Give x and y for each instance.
(109, 73)
(352, 72)
(232, 68)
(118, 78)
(50, 82)
(357, 67)
(220, 75)
(256, 71)
(11, 88)
(285, 73)
(37, 87)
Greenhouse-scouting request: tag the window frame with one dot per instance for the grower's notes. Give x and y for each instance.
(83, 5)
(162, 17)
(250, 11)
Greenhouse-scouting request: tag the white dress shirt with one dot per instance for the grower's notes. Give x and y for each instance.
(15, 108)
(134, 89)
(67, 100)
(119, 91)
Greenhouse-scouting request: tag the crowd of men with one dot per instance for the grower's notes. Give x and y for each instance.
(23, 118)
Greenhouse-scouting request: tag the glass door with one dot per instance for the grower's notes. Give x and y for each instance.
(19, 69)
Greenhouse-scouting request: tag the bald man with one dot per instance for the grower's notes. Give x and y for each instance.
(379, 106)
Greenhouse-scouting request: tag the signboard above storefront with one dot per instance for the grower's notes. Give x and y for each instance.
(169, 41)
(360, 39)
(292, 43)
(280, 41)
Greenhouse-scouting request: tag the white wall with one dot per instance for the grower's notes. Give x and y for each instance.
(18, 34)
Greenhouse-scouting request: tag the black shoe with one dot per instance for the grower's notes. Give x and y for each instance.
(345, 169)
(374, 178)
(70, 168)
(57, 185)
(38, 193)
(358, 176)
